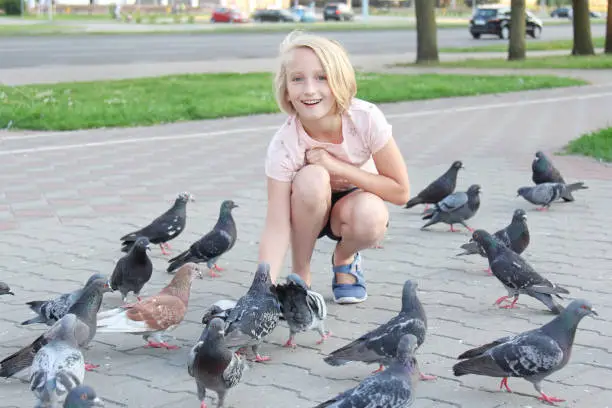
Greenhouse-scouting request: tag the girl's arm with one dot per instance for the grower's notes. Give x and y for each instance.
(276, 234)
(391, 184)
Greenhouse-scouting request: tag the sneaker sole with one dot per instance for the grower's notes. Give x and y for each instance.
(349, 300)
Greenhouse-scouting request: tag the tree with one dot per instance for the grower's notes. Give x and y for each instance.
(608, 46)
(427, 39)
(581, 20)
(517, 44)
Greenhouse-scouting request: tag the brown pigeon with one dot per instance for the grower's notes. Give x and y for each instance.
(156, 314)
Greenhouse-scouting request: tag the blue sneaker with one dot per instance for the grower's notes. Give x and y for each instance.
(349, 293)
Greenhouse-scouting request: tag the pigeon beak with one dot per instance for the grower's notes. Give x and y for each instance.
(593, 312)
(200, 274)
(97, 402)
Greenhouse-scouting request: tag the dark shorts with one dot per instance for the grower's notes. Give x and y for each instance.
(335, 196)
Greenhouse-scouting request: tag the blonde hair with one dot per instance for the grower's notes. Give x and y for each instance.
(334, 59)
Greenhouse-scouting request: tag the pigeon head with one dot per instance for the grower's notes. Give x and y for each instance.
(94, 277)
(406, 347)
(82, 396)
(539, 155)
(142, 243)
(473, 190)
(213, 312)
(579, 308)
(522, 191)
(486, 240)
(409, 295)
(297, 279)
(185, 197)
(215, 328)
(457, 165)
(262, 276)
(519, 215)
(227, 206)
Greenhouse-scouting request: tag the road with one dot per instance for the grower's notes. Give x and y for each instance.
(135, 48)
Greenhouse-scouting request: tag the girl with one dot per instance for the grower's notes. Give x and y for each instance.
(330, 167)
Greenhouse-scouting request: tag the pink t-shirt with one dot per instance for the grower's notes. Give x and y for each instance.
(364, 130)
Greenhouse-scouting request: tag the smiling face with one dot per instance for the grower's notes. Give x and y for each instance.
(307, 87)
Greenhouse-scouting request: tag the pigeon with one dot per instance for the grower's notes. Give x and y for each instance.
(153, 316)
(515, 236)
(380, 345)
(85, 308)
(211, 246)
(303, 309)
(59, 365)
(50, 311)
(456, 208)
(82, 396)
(5, 289)
(255, 316)
(164, 228)
(133, 270)
(532, 355)
(221, 308)
(517, 276)
(213, 365)
(544, 194)
(439, 188)
(543, 171)
(392, 388)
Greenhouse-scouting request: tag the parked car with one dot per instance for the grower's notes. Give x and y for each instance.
(495, 20)
(338, 12)
(275, 15)
(305, 14)
(568, 12)
(228, 15)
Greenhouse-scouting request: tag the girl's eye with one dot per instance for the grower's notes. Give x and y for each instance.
(297, 79)
(322, 78)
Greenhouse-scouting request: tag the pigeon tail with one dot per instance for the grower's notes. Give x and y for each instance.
(180, 260)
(549, 302)
(37, 319)
(414, 201)
(335, 361)
(21, 359)
(480, 365)
(569, 188)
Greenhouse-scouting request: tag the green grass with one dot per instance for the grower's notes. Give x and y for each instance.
(532, 45)
(596, 144)
(148, 101)
(550, 62)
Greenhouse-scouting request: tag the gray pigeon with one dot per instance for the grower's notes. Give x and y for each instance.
(50, 311)
(517, 276)
(392, 388)
(380, 345)
(456, 208)
(133, 270)
(515, 236)
(543, 171)
(221, 308)
(5, 289)
(164, 228)
(255, 316)
(82, 396)
(438, 189)
(211, 246)
(59, 365)
(532, 355)
(213, 365)
(303, 309)
(85, 309)
(544, 194)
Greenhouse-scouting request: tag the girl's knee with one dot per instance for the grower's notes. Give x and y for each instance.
(311, 186)
(369, 218)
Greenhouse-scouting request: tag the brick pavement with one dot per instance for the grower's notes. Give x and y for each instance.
(65, 199)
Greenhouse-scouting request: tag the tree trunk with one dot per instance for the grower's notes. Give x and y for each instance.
(583, 42)
(427, 40)
(517, 45)
(608, 47)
